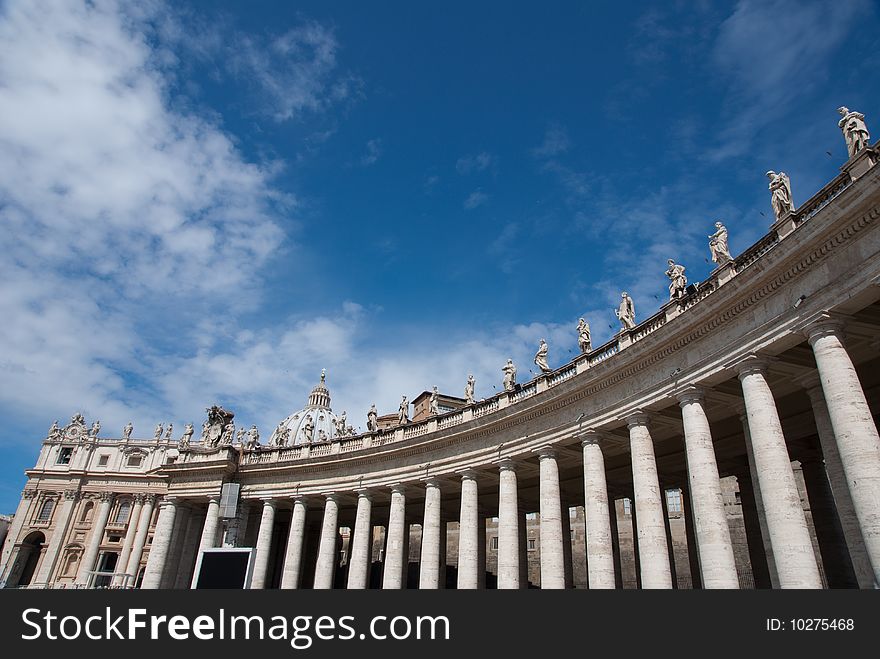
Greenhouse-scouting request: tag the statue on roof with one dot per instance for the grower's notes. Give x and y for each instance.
(169, 430)
(584, 340)
(187, 436)
(372, 419)
(780, 193)
(434, 407)
(626, 312)
(54, 431)
(469, 389)
(403, 412)
(127, 430)
(541, 357)
(218, 418)
(718, 244)
(157, 434)
(855, 131)
(509, 371)
(308, 429)
(253, 436)
(677, 280)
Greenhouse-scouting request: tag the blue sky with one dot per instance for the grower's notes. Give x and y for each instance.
(209, 202)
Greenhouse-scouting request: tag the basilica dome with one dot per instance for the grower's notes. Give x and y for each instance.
(295, 430)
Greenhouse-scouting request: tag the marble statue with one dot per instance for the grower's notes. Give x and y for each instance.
(285, 436)
(403, 412)
(187, 435)
(855, 131)
(469, 390)
(126, 432)
(78, 419)
(228, 434)
(584, 340)
(509, 371)
(341, 424)
(677, 280)
(204, 438)
(277, 437)
(253, 436)
(240, 436)
(372, 419)
(626, 312)
(541, 357)
(322, 436)
(434, 408)
(308, 429)
(169, 430)
(157, 435)
(54, 431)
(780, 193)
(218, 418)
(95, 429)
(718, 244)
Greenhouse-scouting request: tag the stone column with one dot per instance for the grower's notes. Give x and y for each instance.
(468, 533)
(173, 558)
(523, 540)
(652, 549)
(600, 551)
(59, 534)
(829, 534)
(325, 567)
(264, 545)
(443, 552)
(508, 527)
(161, 544)
(88, 560)
(361, 545)
(395, 543)
(212, 524)
(429, 563)
(710, 520)
(792, 546)
(759, 503)
(481, 549)
(858, 443)
(292, 573)
(552, 553)
(143, 528)
(130, 533)
(840, 488)
(566, 545)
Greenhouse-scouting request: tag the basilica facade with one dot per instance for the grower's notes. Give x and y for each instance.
(727, 440)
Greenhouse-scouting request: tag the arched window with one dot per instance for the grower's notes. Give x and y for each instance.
(87, 512)
(46, 510)
(123, 512)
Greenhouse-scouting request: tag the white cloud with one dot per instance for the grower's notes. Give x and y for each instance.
(125, 221)
(374, 150)
(475, 199)
(471, 164)
(555, 142)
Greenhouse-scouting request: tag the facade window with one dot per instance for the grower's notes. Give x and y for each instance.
(123, 512)
(494, 542)
(88, 509)
(673, 501)
(46, 511)
(532, 544)
(627, 507)
(103, 460)
(135, 460)
(64, 456)
(114, 538)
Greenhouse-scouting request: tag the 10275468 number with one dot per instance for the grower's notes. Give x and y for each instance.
(810, 624)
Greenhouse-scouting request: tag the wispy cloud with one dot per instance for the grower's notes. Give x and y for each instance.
(373, 151)
(474, 163)
(475, 199)
(555, 142)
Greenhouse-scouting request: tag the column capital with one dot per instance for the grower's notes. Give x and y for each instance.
(505, 464)
(29, 493)
(398, 488)
(590, 436)
(214, 498)
(751, 364)
(71, 495)
(636, 418)
(362, 492)
(107, 496)
(468, 473)
(269, 501)
(822, 327)
(690, 394)
(431, 481)
(330, 496)
(546, 451)
(169, 501)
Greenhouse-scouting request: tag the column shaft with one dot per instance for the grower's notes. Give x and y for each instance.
(429, 564)
(59, 534)
(552, 553)
(792, 545)
(361, 545)
(88, 560)
(292, 573)
(600, 550)
(508, 528)
(395, 543)
(137, 549)
(128, 543)
(652, 550)
(161, 544)
(325, 568)
(264, 546)
(710, 519)
(857, 440)
(468, 534)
